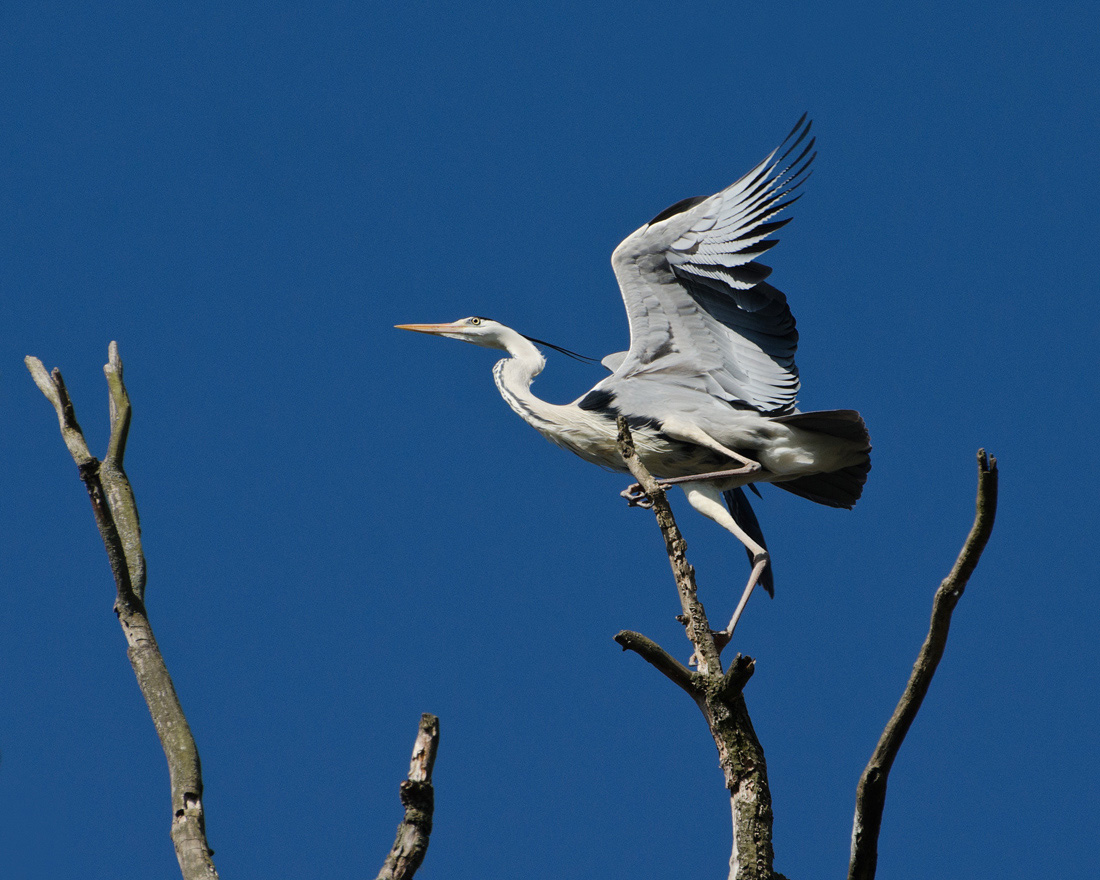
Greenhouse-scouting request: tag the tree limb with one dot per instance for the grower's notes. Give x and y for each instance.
(661, 660)
(119, 492)
(717, 694)
(695, 616)
(871, 792)
(418, 797)
(116, 516)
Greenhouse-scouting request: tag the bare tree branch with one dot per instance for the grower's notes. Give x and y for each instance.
(661, 660)
(418, 797)
(717, 694)
(115, 483)
(53, 386)
(871, 792)
(116, 516)
(695, 616)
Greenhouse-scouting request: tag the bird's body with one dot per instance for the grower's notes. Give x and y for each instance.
(708, 385)
(587, 428)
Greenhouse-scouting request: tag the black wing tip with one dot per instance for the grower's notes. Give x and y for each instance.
(791, 143)
(803, 125)
(801, 129)
(798, 125)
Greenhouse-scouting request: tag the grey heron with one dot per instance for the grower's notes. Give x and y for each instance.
(708, 385)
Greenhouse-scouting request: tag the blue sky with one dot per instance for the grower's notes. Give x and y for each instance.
(346, 526)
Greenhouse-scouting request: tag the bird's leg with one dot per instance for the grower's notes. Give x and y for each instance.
(705, 498)
(751, 468)
(637, 498)
(690, 433)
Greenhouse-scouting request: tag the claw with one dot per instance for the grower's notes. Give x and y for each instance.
(636, 497)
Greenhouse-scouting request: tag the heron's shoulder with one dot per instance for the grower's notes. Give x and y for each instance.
(665, 230)
(679, 208)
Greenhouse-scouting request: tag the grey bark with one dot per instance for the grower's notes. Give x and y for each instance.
(116, 516)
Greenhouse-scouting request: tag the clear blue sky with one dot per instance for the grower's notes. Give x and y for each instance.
(346, 526)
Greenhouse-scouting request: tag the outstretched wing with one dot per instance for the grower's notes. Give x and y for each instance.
(701, 315)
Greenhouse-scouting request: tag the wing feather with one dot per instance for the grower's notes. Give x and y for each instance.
(701, 315)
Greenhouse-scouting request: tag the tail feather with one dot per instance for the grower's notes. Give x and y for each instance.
(741, 511)
(844, 423)
(840, 488)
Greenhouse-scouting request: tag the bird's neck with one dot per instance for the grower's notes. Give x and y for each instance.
(513, 377)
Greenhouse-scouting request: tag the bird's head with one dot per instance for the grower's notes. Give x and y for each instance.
(491, 334)
(480, 331)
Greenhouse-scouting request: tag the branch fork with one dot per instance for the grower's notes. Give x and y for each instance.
(116, 516)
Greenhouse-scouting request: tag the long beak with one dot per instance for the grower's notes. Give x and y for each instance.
(427, 328)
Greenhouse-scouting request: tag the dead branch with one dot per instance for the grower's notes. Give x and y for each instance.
(695, 616)
(871, 792)
(717, 694)
(418, 797)
(116, 516)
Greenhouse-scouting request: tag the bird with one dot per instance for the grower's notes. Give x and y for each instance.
(709, 383)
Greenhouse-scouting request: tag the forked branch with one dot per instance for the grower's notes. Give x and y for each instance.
(871, 792)
(116, 516)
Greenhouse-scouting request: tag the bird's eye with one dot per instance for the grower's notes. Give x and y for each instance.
(475, 320)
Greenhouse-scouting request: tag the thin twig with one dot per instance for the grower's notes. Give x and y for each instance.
(418, 797)
(871, 792)
(116, 517)
(53, 386)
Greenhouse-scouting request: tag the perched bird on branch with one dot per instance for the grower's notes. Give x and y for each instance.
(709, 384)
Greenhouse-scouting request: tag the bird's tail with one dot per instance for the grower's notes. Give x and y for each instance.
(741, 511)
(840, 488)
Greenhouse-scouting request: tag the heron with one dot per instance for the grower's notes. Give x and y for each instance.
(709, 384)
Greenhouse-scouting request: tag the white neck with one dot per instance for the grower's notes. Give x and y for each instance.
(513, 377)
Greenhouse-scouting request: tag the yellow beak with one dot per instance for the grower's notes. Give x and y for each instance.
(425, 328)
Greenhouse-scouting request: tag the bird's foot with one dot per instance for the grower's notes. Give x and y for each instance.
(636, 497)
